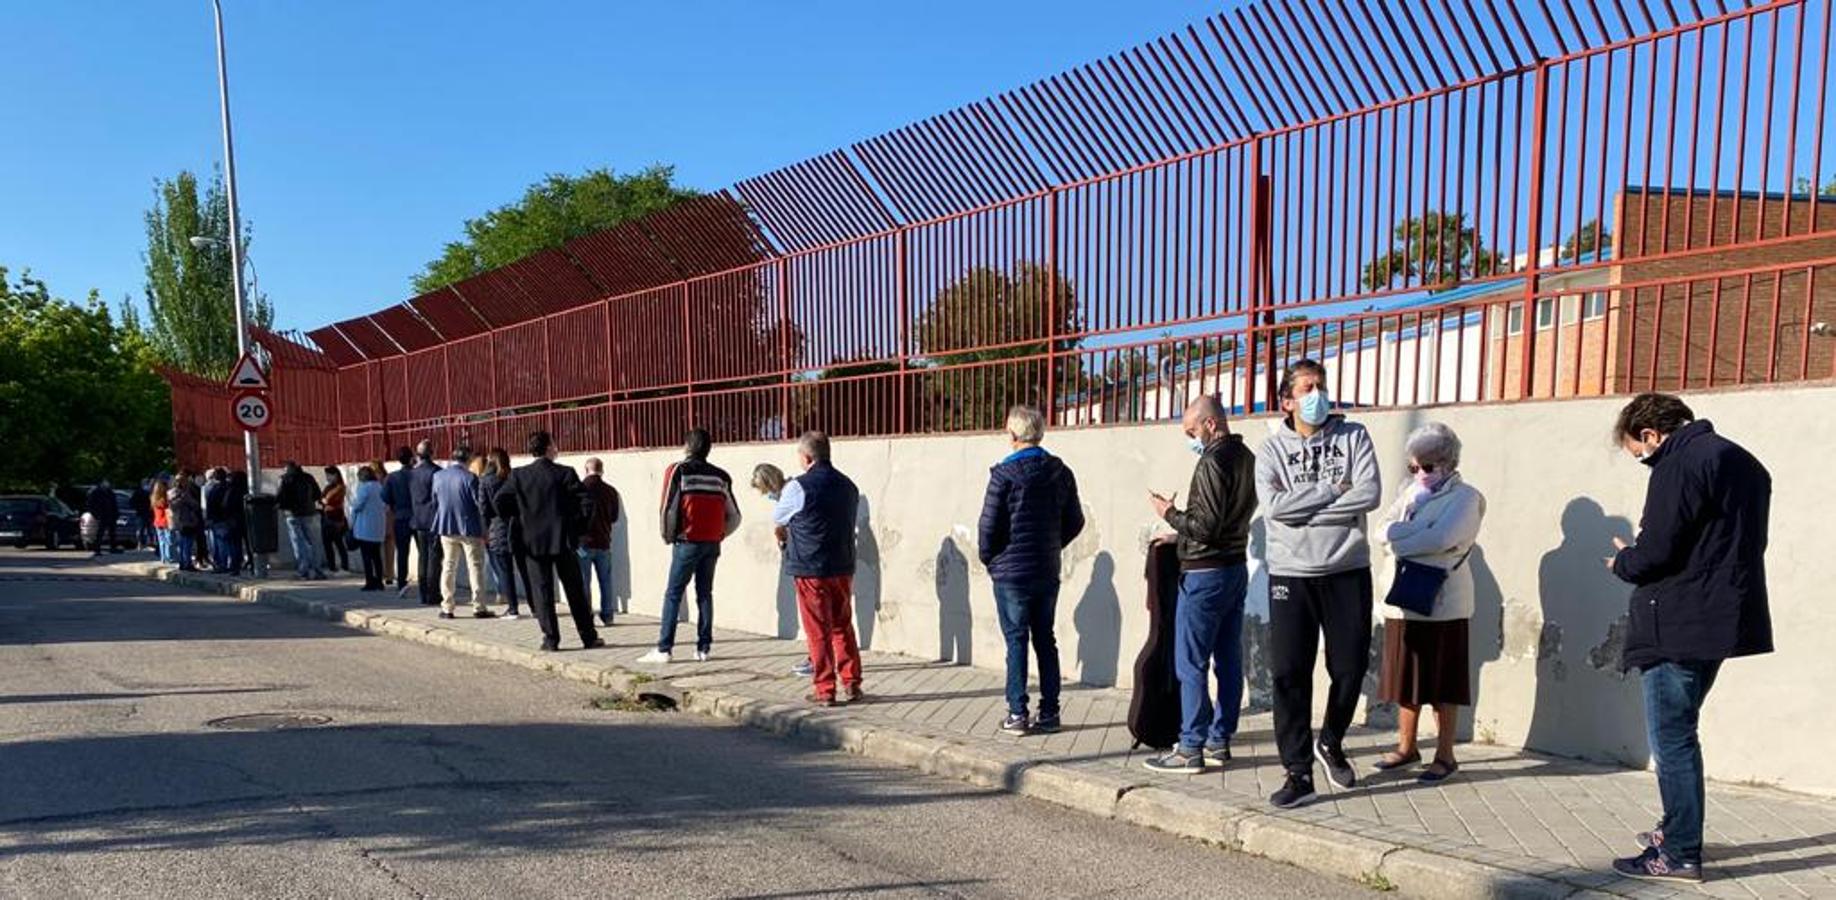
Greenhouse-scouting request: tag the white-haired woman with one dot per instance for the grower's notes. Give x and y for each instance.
(1434, 522)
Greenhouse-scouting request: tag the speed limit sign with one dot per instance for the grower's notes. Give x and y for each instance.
(251, 410)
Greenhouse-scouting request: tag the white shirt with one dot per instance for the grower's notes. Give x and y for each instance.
(790, 503)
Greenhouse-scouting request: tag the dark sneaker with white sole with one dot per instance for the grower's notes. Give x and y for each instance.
(1216, 756)
(1017, 723)
(1649, 839)
(1178, 760)
(1048, 724)
(1296, 790)
(1656, 865)
(1338, 768)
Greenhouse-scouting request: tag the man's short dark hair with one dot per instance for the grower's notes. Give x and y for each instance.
(404, 456)
(425, 448)
(1304, 367)
(815, 445)
(1662, 413)
(698, 444)
(462, 454)
(539, 442)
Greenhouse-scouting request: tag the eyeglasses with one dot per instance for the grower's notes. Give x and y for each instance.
(1415, 469)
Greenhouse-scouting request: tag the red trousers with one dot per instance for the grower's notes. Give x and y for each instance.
(827, 607)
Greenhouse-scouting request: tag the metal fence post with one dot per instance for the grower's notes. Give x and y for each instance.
(1526, 379)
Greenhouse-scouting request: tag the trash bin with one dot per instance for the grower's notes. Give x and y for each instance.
(264, 523)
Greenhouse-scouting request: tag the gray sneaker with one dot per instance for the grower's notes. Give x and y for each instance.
(1216, 756)
(1178, 761)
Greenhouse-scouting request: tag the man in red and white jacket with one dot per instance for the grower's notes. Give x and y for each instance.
(698, 512)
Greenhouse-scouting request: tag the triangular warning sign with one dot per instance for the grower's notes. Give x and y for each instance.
(248, 375)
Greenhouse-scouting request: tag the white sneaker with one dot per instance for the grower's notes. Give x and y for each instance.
(654, 658)
(703, 655)
(510, 617)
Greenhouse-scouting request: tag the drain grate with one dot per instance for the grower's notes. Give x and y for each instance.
(270, 721)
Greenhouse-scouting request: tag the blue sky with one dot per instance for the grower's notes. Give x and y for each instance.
(367, 132)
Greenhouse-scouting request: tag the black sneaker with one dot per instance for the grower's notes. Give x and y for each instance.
(1177, 760)
(1296, 790)
(1016, 723)
(1048, 724)
(1217, 756)
(1338, 768)
(483, 614)
(1656, 865)
(444, 614)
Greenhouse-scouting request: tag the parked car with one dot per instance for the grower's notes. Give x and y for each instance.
(35, 519)
(127, 524)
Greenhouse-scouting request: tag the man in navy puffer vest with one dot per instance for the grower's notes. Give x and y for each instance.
(1030, 513)
(815, 515)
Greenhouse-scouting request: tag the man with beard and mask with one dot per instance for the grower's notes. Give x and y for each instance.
(1698, 570)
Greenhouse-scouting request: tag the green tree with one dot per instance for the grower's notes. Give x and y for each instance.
(1585, 239)
(1005, 321)
(552, 212)
(1802, 187)
(79, 399)
(190, 290)
(1437, 251)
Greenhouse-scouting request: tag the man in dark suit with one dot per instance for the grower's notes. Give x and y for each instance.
(553, 507)
(426, 540)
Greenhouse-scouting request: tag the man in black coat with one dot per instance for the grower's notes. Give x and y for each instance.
(553, 508)
(106, 508)
(1029, 513)
(429, 556)
(1699, 597)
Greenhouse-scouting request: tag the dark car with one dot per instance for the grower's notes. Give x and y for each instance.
(127, 522)
(28, 519)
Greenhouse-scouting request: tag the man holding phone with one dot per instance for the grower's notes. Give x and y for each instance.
(1213, 541)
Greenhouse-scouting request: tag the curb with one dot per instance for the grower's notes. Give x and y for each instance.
(1345, 854)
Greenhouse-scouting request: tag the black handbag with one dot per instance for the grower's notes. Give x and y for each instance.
(1418, 584)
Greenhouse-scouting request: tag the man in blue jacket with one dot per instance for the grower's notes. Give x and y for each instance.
(426, 541)
(1699, 597)
(1030, 513)
(398, 493)
(460, 524)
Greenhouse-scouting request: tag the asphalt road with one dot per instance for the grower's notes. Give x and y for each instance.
(444, 776)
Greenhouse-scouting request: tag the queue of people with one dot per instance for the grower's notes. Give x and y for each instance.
(1697, 568)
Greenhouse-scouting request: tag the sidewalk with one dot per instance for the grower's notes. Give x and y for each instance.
(1509, 824)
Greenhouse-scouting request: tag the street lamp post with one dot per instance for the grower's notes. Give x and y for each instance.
(250, 447)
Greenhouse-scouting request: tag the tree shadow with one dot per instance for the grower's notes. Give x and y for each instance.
(1098, 620)
(1585, 706)
(142, 616)
(955, 622)
(866, 576)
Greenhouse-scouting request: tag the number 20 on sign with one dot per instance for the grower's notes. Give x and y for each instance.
(251, 410)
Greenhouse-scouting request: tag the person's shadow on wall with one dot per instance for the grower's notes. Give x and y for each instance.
(621, 558)
(1585, 706)
(1485, 633)
(866, 576)
(954, 621)
(1098, 620)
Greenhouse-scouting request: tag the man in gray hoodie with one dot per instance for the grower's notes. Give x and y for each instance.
(1316, 478)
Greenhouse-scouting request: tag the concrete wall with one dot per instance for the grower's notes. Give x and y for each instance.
(1545, 638)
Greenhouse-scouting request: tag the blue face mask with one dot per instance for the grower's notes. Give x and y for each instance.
(1196, 446)
(1315, 407)
(772, 496)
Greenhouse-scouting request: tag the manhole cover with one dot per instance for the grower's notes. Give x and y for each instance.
(269, 721)
(718, 679)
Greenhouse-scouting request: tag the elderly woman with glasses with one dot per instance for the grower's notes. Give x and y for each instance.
(1433, 522)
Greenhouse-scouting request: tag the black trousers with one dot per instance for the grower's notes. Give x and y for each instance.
(1300, 609)
(371, 551)
(331, 533)
(427, 545)
(579, 605)
(404, 536)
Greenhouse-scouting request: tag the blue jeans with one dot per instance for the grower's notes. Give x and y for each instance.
(599, 561)
(1028, 611)
(305, 544)
(1208, 632)
(689, 560)
(165, 545)
(1673, 701)
(220, 546)
(183, 541)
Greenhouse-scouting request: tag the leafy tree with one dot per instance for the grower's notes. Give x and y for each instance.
(79, 399)
(1802, 187)
(1437, 250)
(190, 291)
(552, 212)
(1585, 239)
(991, 316)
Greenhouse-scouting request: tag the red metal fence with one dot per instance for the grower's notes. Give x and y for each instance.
(1446, 201)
